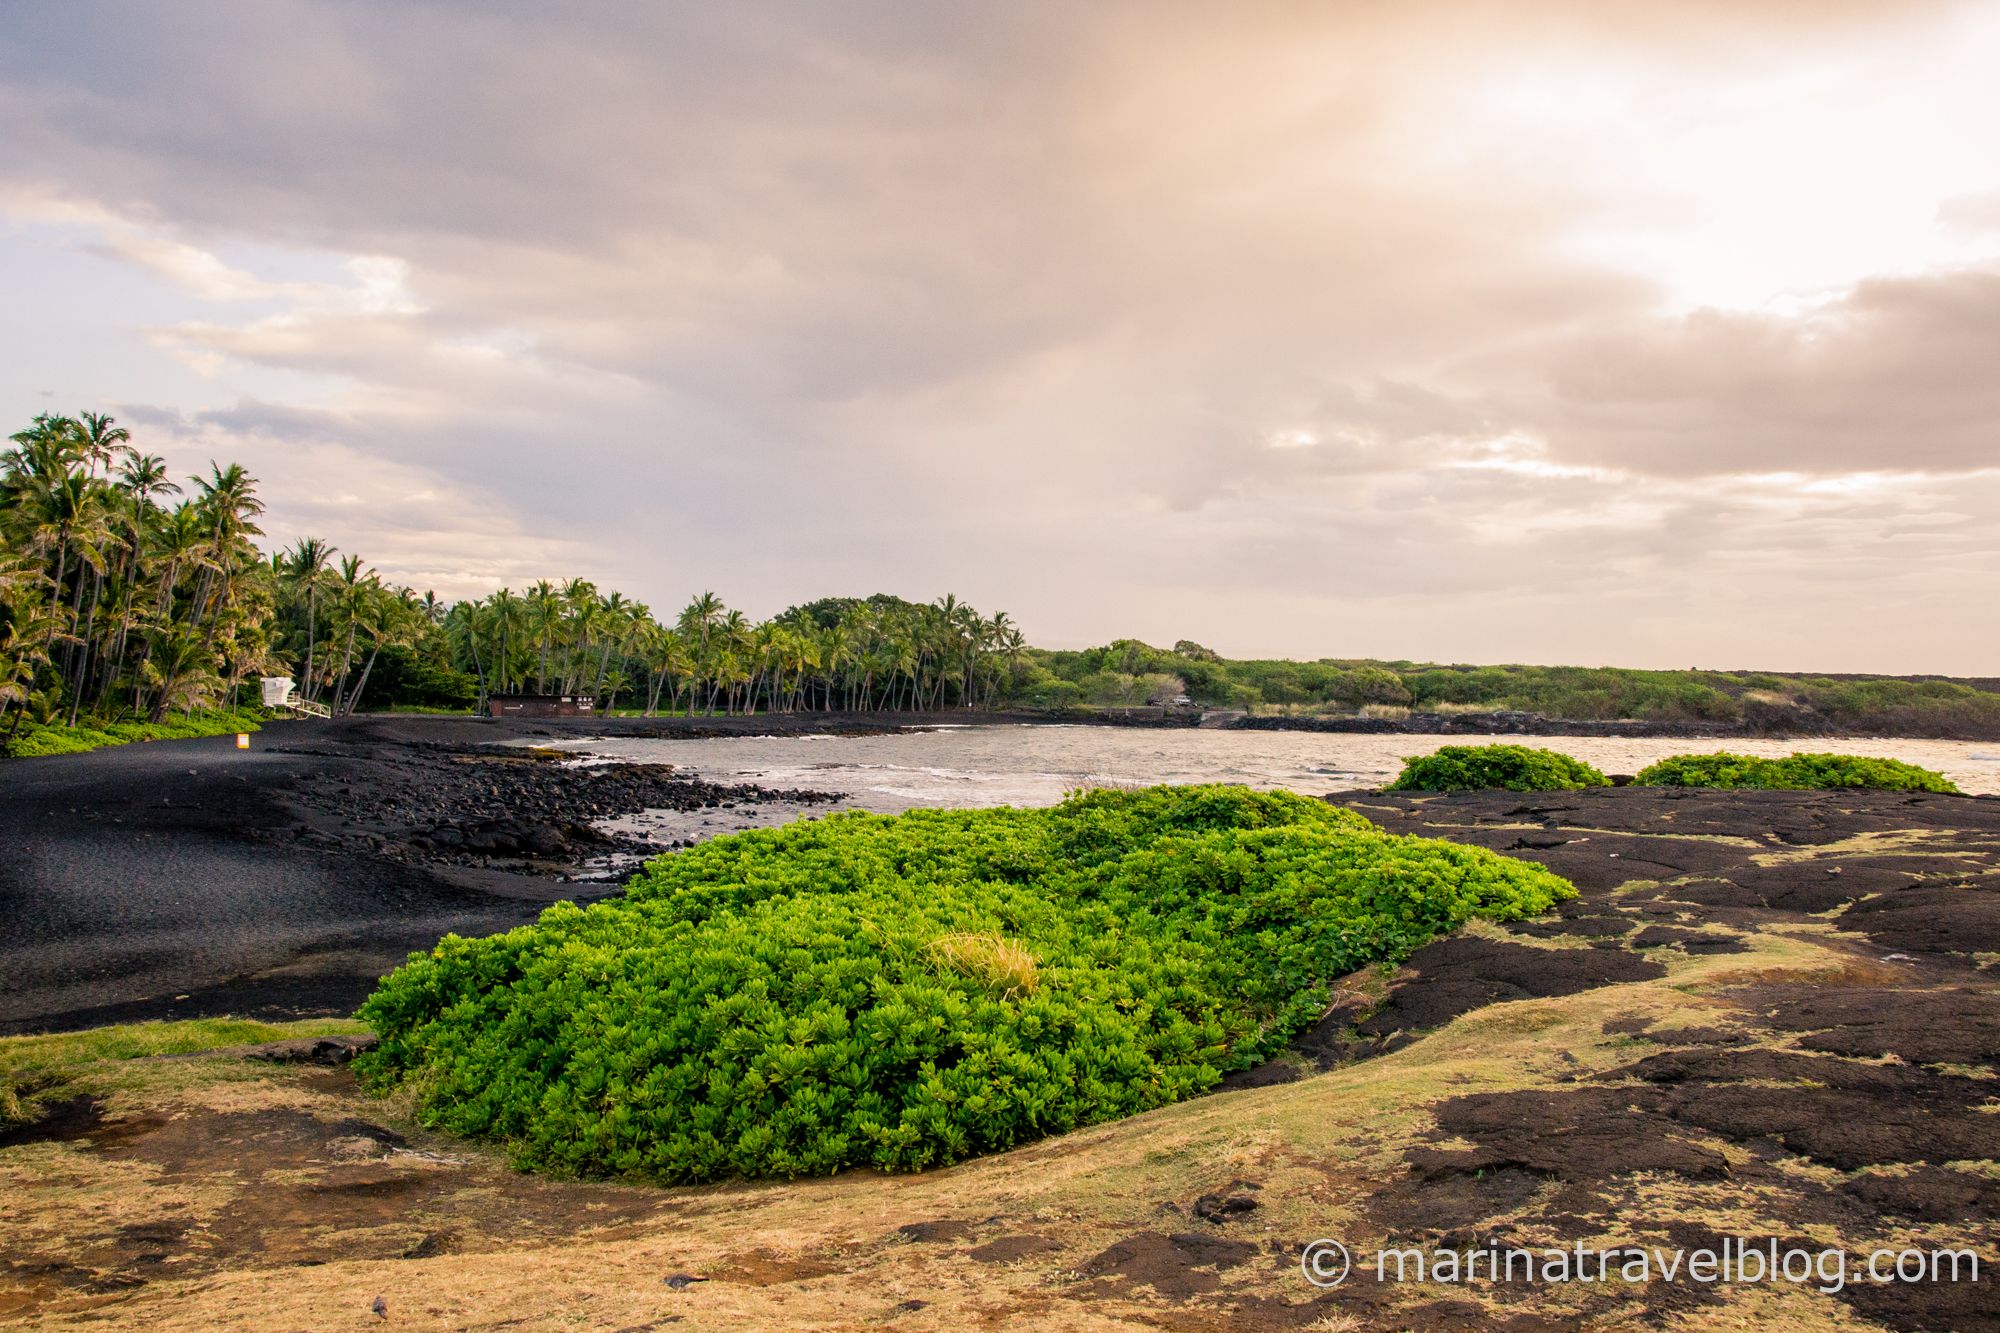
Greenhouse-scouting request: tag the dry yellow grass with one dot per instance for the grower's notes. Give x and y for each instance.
(1003, 966)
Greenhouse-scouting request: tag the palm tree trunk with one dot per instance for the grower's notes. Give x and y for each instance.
(84, 650)
(55, 601)
(346, 665)
(355, 698)
(312, 630)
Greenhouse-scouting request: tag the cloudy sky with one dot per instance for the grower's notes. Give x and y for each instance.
(1639, 333)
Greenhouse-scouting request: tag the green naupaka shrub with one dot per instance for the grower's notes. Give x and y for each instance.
(1485, 767)
(909, 991)
(1797, 772)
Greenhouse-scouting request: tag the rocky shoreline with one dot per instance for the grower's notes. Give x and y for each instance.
(1759, 722)
(1501, 724)
(528, 811)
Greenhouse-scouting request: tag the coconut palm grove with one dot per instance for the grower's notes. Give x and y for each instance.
(134, 605)
(126, 596)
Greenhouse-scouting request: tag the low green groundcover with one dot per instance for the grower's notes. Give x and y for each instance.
(1798, 772)
(34, 742)
(905, 992)
(1486, 767)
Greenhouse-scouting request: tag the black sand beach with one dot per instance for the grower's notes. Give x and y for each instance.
(187, 878)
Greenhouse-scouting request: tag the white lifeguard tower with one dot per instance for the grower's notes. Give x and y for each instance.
(278, 694)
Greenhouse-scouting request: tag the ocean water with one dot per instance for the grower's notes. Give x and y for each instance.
(978, 765)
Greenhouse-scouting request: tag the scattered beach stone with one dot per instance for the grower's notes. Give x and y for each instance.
(1219, 1208)
(934, 1231)
(337, 1050)
(438, 804)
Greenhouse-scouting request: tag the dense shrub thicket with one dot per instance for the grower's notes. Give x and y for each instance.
(909, 991)
(1507, 767)
(35, 741)
(1798, 772)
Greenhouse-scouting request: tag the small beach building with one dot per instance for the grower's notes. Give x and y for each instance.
(540, 705)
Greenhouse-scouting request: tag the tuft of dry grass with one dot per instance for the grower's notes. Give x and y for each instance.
(1002, 965)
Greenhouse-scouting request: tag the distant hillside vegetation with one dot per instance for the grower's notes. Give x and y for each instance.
(1129, 673)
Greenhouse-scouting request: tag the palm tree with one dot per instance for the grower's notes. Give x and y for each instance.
(581, 612)
(392, 619)
(184, 672)
(506, 616)
(101, 440)
(545, 614)
(142, 478)
(21, 635)
(228, 499)
(612, 618)
(671, 654)
(64, 512)
(463, 627)
(352, 606)
(306, 567)
(697, 621)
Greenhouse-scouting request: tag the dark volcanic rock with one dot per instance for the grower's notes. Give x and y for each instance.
(1960, 918)
(1008, 1249)
(935, 1230)
(1179, 1266)
(1929, 1194)
(1583, 1135)
(1457, 975)
(1221, 1208)
(57, 1121)
(1693, 941)
(1920, 1026)
(473, 806)
(1801, 886)
(314, 1050)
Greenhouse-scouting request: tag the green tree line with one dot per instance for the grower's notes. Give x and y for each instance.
(1129, 672)
(126, 596)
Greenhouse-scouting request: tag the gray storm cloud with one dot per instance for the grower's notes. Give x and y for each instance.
(1437, 330)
